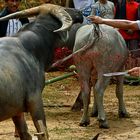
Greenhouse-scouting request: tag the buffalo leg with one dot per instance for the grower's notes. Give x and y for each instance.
(119, 94)
(78, 104)
(94, 112)
(38, 115)
(100, 87)
(21, 129)
(41, 135)
(84, 79)
(86, 100)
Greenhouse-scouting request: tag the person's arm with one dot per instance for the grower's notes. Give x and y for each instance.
(123, 24)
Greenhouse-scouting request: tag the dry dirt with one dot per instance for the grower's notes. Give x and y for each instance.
(63, 123)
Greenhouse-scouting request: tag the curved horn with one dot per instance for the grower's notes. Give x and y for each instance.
(60, 13)
(55, 10)
(21, 14)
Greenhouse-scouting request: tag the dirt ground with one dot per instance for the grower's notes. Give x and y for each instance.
(63, 124)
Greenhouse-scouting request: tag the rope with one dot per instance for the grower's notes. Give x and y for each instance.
(96, 32)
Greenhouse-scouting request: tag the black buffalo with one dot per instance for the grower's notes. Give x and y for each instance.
(23, 60)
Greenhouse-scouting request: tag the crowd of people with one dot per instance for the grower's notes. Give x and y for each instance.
(117, 9)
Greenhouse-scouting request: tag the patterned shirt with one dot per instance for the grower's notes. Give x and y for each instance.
(106, 10)
(13, 26)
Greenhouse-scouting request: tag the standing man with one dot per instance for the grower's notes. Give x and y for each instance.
(104, 9)
(10, 27)
(122, 24)
(130, 10)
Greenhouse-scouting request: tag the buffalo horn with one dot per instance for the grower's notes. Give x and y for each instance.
(55, 10)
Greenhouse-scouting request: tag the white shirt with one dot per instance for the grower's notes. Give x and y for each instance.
(13, 26)
(82, 4)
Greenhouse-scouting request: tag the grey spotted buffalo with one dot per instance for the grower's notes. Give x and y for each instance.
(23, 60)
(98, 51)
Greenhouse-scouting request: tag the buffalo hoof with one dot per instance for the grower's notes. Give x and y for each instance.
(94, 114)
(124, 115)
(103, 124)
(84, 124)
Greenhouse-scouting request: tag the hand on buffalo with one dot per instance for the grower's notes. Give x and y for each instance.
(135, 71)
(95, 19)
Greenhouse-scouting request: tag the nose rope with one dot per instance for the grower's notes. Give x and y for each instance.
(94, 36)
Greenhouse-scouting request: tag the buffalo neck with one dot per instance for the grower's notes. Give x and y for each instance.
(39, 38)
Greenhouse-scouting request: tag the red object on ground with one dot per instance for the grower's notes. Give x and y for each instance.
(61, 53)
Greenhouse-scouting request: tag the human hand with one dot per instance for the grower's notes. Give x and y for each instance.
(134, 71)
(95, 19)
